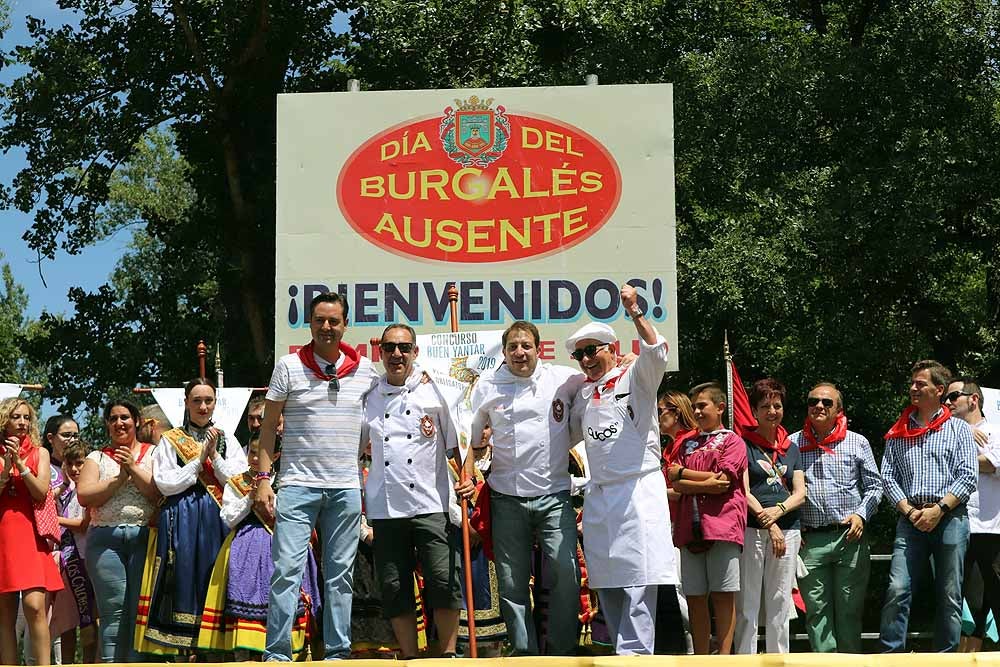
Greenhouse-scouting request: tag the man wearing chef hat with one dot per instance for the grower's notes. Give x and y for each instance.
(626, 526)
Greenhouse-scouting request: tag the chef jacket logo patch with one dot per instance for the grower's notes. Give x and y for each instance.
(558, 410)
(474, 134)
(603, 434)
(427, 426)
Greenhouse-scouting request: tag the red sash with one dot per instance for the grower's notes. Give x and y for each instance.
(838, 433)
(902, 428)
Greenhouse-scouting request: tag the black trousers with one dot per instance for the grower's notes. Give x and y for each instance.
(981, 587)
(669, 624)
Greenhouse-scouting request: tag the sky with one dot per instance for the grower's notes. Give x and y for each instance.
(90, 268)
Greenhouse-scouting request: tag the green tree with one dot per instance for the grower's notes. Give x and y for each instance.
(163, 295)
(209, 70)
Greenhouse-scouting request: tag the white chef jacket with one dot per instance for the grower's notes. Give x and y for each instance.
(532, 427)
(626, 522)
(411, 430)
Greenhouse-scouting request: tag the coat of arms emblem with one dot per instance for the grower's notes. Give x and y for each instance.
(474, 133)
(427, 426)
(558, 410)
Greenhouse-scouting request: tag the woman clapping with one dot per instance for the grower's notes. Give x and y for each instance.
(116, 484)
(191, 468)
(26, 564)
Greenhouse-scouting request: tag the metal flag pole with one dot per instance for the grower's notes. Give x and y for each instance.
(470, 607)
(219, 381)
(729, 379)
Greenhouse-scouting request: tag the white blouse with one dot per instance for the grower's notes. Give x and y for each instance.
(172, 478)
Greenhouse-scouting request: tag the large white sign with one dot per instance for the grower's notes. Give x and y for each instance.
(537, 203)
(991, 405)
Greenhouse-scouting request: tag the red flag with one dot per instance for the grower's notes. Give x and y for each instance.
(742, 413)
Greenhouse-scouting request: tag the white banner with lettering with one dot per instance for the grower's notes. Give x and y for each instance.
(455, 361)
(229, 406)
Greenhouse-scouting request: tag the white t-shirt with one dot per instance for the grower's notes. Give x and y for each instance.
(532, 427)
(984, 503)
(322, 426)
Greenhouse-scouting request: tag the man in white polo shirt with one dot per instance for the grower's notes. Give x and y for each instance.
(528, 405)
(320, 391)
(411, 431)
(981, 582)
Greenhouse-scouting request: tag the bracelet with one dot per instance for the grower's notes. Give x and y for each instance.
(781, 506)
(912, 510)
(261, 474)
(680, 474)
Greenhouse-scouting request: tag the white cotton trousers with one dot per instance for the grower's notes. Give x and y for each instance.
(768, 580)
(631, 617)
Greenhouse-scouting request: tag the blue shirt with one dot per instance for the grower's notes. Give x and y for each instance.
(840, 484)
(926, 468)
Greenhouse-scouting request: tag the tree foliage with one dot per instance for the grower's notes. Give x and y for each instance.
(211, 72)
(836, 168)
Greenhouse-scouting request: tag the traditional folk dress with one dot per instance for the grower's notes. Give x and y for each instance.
(190, 535)
(490, 627)
(235, 614)
(25, 558)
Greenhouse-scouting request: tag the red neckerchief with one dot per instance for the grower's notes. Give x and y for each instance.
(779, 449)
(308, 359)
(29, 454)
(672, 453)
(838, 433)
(607, 385)
(902, 428)
(143, 448)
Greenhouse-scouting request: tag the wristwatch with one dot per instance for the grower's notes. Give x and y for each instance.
(943, 506)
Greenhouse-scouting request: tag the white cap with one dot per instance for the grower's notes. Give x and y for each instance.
(598, 331)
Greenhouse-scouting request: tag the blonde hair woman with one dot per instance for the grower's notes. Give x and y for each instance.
(26, 564)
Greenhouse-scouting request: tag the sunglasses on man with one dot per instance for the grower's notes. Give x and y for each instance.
(953, 396)
(390, 348)
(331, 370)
(587, 351)
(813, 401)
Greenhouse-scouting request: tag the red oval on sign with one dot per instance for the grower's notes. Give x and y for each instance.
(479, 185)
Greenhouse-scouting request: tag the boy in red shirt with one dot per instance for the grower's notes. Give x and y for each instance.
(711, 518)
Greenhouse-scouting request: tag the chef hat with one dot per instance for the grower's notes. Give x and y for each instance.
(598, 331)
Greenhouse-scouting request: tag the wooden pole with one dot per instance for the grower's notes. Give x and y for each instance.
(202, 353)
(470, 606)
